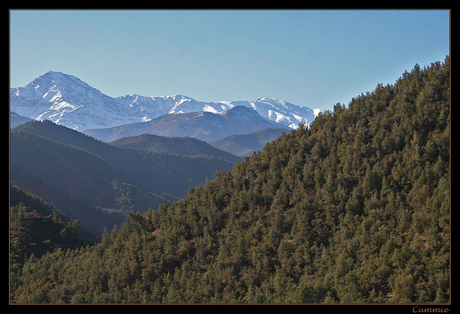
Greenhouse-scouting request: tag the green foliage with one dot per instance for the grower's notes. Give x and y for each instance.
(353, 209)
(37, 227)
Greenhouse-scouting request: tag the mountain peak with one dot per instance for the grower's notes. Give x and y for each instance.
(56, 75)
(239, 110)
(58, 81)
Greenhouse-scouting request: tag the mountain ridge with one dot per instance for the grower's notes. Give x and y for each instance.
(202, 125)
(185, 146)
(69, 101)
(143, 165)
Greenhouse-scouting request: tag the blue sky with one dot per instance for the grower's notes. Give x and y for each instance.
(309, 58)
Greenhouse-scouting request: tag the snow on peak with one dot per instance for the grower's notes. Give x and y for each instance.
(67, 100)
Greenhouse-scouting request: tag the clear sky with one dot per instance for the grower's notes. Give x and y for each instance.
(310, 58)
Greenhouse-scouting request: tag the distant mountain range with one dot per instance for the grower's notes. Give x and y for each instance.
(205, 126)
(68, 101)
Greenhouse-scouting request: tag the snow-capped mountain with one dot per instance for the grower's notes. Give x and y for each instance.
(66, 100)
(280, 111)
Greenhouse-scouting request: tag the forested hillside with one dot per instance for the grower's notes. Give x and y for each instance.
(354, 208)
(37, 227)
(96, 182)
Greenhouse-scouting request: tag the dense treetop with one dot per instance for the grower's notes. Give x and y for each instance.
(354, 208)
